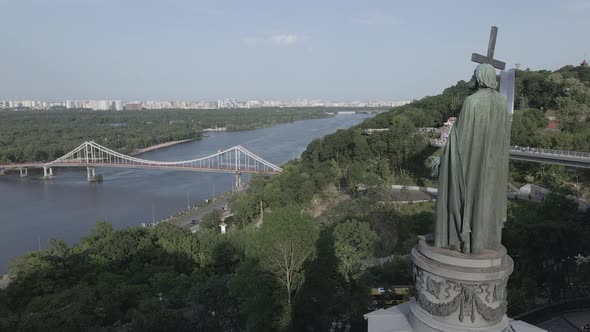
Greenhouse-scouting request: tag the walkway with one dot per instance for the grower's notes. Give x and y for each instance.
(548, 156)
(235, 160)
(529, 192)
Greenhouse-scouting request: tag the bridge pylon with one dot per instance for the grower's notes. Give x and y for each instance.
(47, 173)
(1, 171)
(23, 172)
(91, 174)
(238, 180)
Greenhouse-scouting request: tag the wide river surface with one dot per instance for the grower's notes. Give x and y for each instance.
(32, 211)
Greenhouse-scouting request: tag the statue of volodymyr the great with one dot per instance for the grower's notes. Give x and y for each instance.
(473, 171)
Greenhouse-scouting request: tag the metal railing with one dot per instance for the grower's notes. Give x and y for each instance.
(526, 150)
(234, 159)
(550, 152)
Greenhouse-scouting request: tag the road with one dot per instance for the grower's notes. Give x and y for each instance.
(412, 195)
(200, 212)
(417, 195)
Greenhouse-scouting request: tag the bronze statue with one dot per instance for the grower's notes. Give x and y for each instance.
(473, 171)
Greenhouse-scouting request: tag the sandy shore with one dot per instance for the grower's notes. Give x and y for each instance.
(161, 145)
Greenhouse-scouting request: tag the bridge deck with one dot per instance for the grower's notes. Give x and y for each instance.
(140, 166)
(22, 165)
(90, 154)
(549, 156)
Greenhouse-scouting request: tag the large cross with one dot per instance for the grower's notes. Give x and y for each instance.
(491, 47)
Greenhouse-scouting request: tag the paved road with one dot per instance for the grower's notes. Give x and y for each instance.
(412, 195)
(422, 195)
(199, 213)
(567, 322)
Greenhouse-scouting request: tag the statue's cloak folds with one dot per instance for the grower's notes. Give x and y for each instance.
(473, 172)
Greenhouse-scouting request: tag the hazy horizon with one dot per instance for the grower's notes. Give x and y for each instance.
(333, 51)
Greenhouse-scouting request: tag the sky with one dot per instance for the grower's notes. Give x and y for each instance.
(331, 50)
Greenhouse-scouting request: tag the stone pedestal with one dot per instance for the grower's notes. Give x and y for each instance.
(455, 292)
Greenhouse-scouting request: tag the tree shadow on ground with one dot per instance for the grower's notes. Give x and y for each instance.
(325, 296)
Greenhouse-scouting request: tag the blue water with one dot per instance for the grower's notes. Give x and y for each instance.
(32, 211)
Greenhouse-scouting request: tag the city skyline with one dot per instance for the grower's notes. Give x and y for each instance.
(333, 50)
(119, 105)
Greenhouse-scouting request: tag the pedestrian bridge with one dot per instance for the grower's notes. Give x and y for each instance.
(549, 156)
(235, 160)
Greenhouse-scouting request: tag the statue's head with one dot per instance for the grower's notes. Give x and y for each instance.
(485, 76)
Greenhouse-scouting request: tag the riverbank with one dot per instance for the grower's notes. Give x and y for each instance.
(68, 206)
(161, 145)
(192, 217)
(124, 131)
(208, 130)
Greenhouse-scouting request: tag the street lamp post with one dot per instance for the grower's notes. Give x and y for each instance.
(153, 214)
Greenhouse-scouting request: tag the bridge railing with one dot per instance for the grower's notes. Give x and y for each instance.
(528, 150)
(234, 159)
(550, 152)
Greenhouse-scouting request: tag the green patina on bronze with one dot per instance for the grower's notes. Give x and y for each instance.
(473, 171)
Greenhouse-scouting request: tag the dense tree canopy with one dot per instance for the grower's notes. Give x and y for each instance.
(294, 254)
(354, 242)
(43, 136)
(351, 162)
(544, 241)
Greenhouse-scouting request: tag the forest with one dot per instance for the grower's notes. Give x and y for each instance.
(300, 248)
(47, 135)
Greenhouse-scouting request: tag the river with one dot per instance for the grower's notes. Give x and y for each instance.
(32, 211)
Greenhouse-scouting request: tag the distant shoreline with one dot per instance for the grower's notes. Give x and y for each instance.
(205, 131)
(204, 134)
(161, 145)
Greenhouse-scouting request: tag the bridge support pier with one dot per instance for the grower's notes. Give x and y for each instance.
(91, 174)
(23, 172)
(238, 181)
(1, 171)
(47, 173)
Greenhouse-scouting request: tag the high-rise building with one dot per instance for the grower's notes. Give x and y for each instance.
(133, 106)
(118, 105)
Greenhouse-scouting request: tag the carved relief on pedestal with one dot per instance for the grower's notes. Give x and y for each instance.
(443, 297)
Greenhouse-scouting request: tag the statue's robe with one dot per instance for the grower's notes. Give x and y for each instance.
(473, 176)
